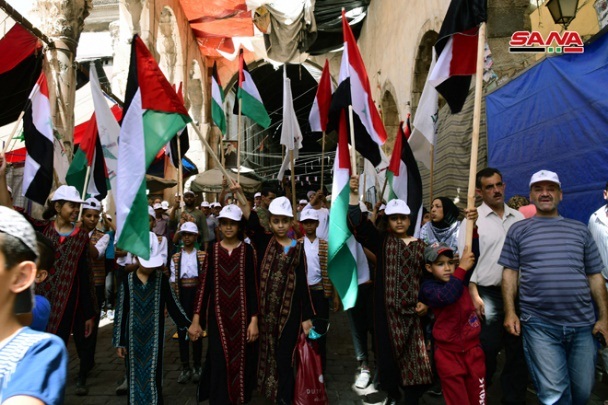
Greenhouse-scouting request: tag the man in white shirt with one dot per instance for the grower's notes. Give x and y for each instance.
(317, 203)
(186, 267)
(495, 219)
(598, 226)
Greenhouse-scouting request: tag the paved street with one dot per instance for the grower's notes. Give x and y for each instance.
(340, 374)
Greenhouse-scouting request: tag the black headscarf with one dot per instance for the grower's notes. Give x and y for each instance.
(450, 213)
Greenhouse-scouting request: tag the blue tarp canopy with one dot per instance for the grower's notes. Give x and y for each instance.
(554, 116)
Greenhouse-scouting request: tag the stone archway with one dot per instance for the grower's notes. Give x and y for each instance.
(390, 118)
(169, 47)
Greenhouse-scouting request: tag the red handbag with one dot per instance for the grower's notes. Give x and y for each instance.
(310, 387)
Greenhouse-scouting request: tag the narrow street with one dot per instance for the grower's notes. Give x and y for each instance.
(340, 377)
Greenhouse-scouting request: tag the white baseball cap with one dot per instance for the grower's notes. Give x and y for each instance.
(156, 259)
(165, 205)
(303, 202)
(311, 215)
(397, 207)
(281, 206)
(231, 211)
(109, 216)
(151, 212)
(92, 204)
(157, 206)
(256, 195)
(216, 204)
(189, 227)
(382, 206)
(205, 204)
(67, 193)
(363, 207)
(545, 175)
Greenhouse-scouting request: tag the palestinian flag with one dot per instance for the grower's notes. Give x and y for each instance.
(38, 134)
(20, 66)
(457, 51)
(217, 101)
(252, 105)
(404, 179)
(153, 114)
(319, 113)
(342, 246)
(89, 154)
(182, 137)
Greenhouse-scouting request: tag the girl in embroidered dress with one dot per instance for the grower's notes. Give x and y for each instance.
(227, 299)
(403, 363)
(285, 305)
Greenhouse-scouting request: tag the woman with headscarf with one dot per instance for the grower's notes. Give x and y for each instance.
(444, 225)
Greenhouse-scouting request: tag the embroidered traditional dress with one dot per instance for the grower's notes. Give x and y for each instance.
(139, 326)
(69, 286)
(228, 299)
(400, 347)
(284, 304)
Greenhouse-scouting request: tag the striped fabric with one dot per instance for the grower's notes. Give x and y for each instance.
(328, 287)
(554, 256)
(98, 265)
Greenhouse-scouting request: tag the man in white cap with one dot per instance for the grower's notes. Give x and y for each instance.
(317, 203)
(199, 217)
(161, 227)
(257, 200)
(554, 266)
(212, 221)
(186, 267)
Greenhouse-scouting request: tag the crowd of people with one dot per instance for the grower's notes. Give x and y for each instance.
(249, 279)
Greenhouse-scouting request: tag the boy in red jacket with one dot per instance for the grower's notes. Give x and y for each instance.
(459, 358)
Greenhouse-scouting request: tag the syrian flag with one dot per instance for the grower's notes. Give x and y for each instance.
(107, 126)
(404, 179)
(252, 105)
(89, 154)
(342, 246)
(457, 51)
(153, 114)
(20, 65)
(217, 101)
(354, 89)
(291, 136)
(38, 134)
(181, 137)
(319, 113)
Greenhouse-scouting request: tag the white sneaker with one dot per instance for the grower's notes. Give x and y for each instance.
(110, 314)
(363, 379)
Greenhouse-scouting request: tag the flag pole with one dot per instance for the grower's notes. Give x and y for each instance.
(180, 174)
(476, 123)
(10, 138)
(293, 182)
(238, 144)
(322, 159)
(213, 155)
(353, 151)
(432, 175)
(84, 190)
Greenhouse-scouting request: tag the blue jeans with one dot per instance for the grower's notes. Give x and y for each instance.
(561, 360)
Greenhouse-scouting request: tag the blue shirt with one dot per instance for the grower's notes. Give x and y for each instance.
(41, 313)
(33, 364)
(110, 252)
(554, 257)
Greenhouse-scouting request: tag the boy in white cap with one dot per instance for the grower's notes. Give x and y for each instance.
(139, 325)
(162, 241)
(33, 365)
(553, 265)
(257, 200)
(186, 269)
(319, 285)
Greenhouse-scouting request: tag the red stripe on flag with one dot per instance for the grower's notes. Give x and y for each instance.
(343, 152)
(396, 156)
(324, 96)
(464, 53)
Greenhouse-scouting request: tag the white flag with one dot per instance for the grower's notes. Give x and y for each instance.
(425, 121)
(291, 136)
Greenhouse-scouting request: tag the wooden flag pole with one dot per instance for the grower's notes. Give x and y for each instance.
(322, 159)
(240, 196)
(383, 188)
(10, 138)
(476, 123)
(353, 151)
(84, 190)
(432, 175)
(238, 144)
(180, 173)
(293, 182)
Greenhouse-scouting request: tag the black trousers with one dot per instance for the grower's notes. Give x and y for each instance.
(86, 346)
(187, 298)
(321, 306)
